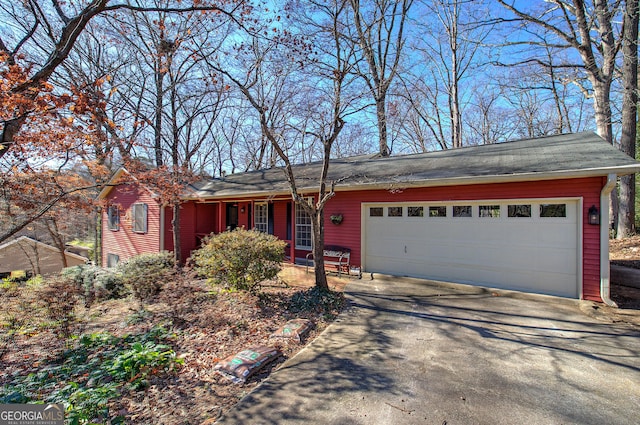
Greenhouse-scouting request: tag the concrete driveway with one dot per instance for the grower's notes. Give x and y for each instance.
(410, 352)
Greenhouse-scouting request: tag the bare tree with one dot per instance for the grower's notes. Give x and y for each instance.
(592, 31)
(380, 32)
(628, 139)
(449, 42)
(319, 108)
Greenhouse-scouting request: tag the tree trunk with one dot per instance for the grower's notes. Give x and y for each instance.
(382, 125)
(175, 224)
(97, 238)
(626, 205)
(317, 225)
(158, 119)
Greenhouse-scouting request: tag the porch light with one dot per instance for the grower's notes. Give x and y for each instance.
(594, 215)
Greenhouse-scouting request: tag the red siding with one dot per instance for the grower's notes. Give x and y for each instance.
(124, 242)
(349, 205)
(196, 221)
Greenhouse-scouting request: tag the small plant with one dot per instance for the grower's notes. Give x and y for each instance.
(315, 299)
(240, 259)
(95, 283)
(97, 370)
(145, 274)
(59, 297)
(336, 218)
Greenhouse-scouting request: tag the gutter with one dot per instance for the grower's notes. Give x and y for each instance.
(605, 270)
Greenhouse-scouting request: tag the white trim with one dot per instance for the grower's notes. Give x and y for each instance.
(605, 268)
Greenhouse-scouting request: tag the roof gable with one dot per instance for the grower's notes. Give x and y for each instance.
(33, 242)
(116, 179)
(561, 156)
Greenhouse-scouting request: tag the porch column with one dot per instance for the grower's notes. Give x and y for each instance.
(292, 249)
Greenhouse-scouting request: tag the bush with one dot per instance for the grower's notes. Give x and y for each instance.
(59, 298)
(145, 274)
(95, 283)
(315, 299)
(240, 259)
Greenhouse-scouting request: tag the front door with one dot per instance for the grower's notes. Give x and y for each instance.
(232, 216)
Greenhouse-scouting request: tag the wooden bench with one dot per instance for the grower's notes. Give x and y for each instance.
(336, 256)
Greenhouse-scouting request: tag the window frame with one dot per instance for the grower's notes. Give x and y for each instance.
(112, 260)
(113, 218)
(258, 223)
(303, 224)
(145, 218)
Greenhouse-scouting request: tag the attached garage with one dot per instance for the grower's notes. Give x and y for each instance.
(523, 244)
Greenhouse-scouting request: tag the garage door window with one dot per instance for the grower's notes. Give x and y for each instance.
(415, 211)
(462, 210)
(553, 210)
(520, 210)
(394, 211)
(489, 211)
(376, 211)
(437, 211)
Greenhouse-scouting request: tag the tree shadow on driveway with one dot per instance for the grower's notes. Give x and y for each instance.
(415, 353)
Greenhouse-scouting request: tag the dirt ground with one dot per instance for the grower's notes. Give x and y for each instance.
(207, 327)
(626, 253)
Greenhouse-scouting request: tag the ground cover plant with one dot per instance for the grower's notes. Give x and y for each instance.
(125, 362)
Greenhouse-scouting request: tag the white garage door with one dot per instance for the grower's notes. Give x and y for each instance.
(516, 244)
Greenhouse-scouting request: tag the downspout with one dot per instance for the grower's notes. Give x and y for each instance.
(605, 270)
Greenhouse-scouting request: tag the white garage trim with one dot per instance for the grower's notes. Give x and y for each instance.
(526, 253)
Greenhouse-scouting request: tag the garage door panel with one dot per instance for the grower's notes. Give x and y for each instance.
(536, 254)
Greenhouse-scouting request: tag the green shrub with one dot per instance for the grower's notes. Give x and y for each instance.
(95, 283)
(145, 274)
(90, 376)
(240, 259)
(315, 299)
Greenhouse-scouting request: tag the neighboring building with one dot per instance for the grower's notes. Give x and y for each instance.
(512, 215)
(34, 257)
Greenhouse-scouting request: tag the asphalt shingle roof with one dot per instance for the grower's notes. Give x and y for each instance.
(567, 155)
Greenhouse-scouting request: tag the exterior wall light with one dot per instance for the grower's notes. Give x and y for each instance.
(594, 215)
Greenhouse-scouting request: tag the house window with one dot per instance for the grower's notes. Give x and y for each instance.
(112, 260)
(394, 211)
(437, 211)
(262, 217)
(523, 210)
(113, 217)
(376, 212)
(462, 210)
(415, 211)
(553, 210)
(303, 229)
(489, 211)
(139, 219)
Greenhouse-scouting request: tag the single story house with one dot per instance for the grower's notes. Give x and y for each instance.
(35, 257)
(512, 215)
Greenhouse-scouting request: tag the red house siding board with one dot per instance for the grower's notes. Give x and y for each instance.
(280, 219)
(125, 242)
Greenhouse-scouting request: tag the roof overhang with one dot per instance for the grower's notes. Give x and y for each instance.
(452, 181)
